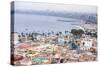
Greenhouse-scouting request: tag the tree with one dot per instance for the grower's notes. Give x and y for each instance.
(74, 31)
(19, 37)
(49, 33)
(43, 34)
(57, 34)
(22, 34)
(27, 34)
(77, 33)
(94, 34)
(52, 32)
(34, 35)
(80, 32)
(66, 32)
(60, 33)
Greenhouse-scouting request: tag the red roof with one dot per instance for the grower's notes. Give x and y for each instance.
(24, 45)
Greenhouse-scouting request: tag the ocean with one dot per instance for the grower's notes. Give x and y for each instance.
(42, 23)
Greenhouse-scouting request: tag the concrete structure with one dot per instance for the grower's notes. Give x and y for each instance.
(15, 37)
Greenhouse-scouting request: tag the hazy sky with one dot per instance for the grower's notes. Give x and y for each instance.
(29, 6)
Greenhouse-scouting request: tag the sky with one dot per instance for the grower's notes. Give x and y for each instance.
(29, 6)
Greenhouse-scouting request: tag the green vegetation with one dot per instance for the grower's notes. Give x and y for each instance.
(77, 33)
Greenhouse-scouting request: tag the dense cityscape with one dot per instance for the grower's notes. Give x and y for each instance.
(50, 48)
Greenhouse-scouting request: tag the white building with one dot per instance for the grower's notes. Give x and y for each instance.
(15, 37)
(87, 43)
